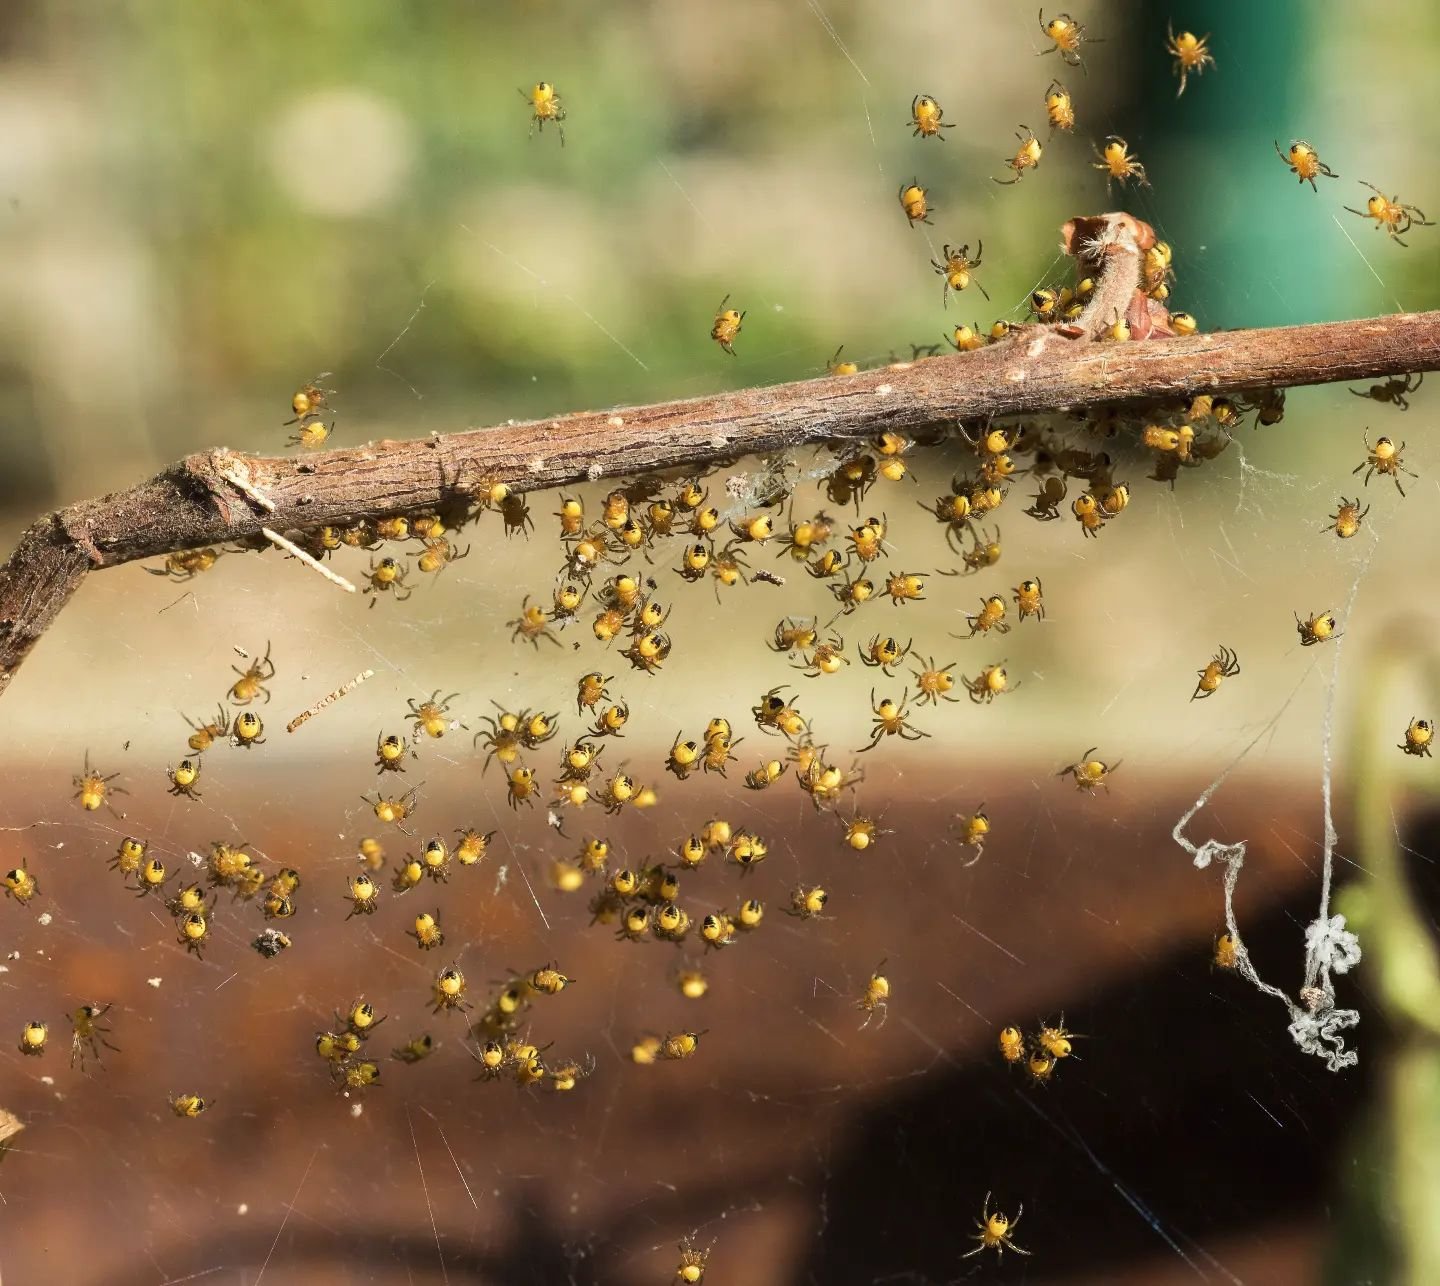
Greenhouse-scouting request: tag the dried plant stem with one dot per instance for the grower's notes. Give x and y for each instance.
(194, 502)
(328, 699)
(294, 550)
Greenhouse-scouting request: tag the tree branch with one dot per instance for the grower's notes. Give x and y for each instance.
(221, 495)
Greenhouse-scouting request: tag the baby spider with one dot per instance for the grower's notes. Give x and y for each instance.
(207, 733)
(1045, 303)
(1067, 34)
(439, 554)
(679, 1045)
(964, 339)
(1055, 1039)
(1417, 737)
(956, 266)
(252, 680)
(249, 730)
(933, 684)
(390, 752)
(310, 400)
(867, 541)
(357, 1076)
(794, 634)
(19, 884)
(825, 658)
(989, 684)
(311, 433)
(1383, 458)
(531, 625)
(773, 713)
(393, 810)
(1346, 520)
(1391, 214)
(1396, 390)
(1027, 157)
(884, 652)
(974, 830)
(1191, 53)
(648, 651)
(691, 1268)
(726, 326)
(861, 833)
(388, 575)
(1119, 164)
(991, 616)
(448, 991)
(545, 106)
(407, 876)
(1089, 773)
(984, 552)
(890, 721)
(33, 1037)
(915, 203)
(765, 775)
(807, 903)
(429, 714)
(186, 564)
(128, 856)
(92, 788)
(87, 1033)
(1305, 162)
(925, 116)
(1012, 1044)
(416, 1049)
(1029, 600)
(1223, 665)
(521, 788)
(1226, 955)
(1318, 629)
(875, 998)
(995, 1232)
(184, 778)
(194, 933)
(1059, 109)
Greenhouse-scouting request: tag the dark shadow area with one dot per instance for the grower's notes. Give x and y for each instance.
(1118, 1156)
(533, 1255)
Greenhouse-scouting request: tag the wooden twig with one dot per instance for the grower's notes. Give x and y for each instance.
(328, 699)
(198, 501)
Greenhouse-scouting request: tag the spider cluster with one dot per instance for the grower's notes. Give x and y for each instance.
(626, 557)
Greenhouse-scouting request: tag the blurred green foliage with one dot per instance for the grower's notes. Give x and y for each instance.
(206, 210)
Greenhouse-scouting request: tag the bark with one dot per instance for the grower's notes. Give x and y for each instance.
(197, 501)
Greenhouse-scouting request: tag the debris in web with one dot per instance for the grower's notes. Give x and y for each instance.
(1316, 1025)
